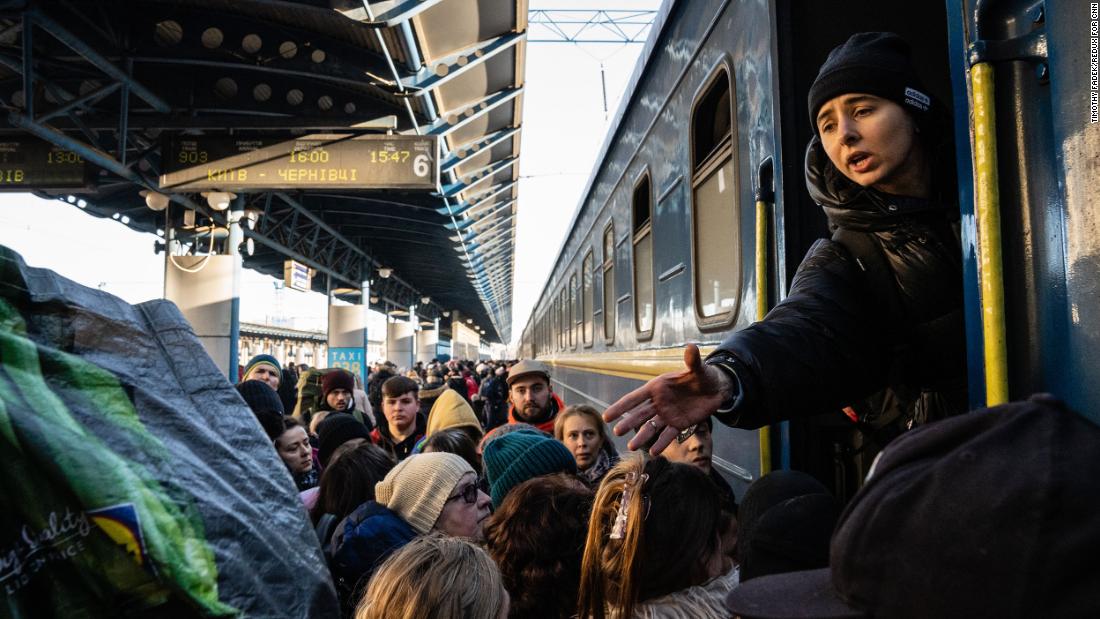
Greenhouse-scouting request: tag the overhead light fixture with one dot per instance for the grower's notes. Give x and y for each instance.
(446, 313)
(425, 300)
(154, 200)
(385, 272)
(252, 215)
(470, 321)
(219, 200)
(374, 298)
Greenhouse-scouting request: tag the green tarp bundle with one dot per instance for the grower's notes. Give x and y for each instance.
(134, 480)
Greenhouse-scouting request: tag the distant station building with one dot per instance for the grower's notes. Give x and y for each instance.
(309, 347)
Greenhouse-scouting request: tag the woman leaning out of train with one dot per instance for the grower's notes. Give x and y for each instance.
(873, 319)
(582, 430)
(654, 545)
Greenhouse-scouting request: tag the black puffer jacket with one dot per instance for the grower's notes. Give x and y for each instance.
(889, 342)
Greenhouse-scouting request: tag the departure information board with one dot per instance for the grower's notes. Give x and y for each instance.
(27, 163)
(309, 162)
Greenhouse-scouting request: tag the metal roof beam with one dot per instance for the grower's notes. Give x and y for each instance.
(491, 224)
(74, 43)
(475, 234)
(479, 176)
(447, 69)
(221, 119)
(465, 206)
(389, 13)
(472, 112)
(471, 149)
(469, 221)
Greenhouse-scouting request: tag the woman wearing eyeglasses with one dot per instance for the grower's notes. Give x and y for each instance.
(423, 493)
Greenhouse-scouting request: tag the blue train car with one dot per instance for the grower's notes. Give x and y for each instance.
(697, 216)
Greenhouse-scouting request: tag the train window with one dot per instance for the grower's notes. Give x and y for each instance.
(715, 218)
(586, 298)
(574, 315)
(557, 323)
(566, 320)
(609, 304)
(643, 256)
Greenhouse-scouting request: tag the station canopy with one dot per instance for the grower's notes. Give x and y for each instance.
(109, 102)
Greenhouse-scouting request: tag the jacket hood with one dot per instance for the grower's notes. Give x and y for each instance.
(365, 538)
(451, 410)
(848, 205)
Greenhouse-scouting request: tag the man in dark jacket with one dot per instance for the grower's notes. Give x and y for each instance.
(494, 393)
(873, 319)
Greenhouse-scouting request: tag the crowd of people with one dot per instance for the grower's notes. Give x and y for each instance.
(482, 466)
(471, 489)
(429, 509)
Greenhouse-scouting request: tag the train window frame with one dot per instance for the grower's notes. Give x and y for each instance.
(638, 234)
(723, 152)
(588, 295)
(566, 327)
(558, 333)
(573, 314)
(607, 271)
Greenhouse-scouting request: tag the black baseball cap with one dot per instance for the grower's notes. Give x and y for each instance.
(995, 513)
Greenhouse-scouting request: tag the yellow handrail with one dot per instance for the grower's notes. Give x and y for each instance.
(987, 205)
(762, 310)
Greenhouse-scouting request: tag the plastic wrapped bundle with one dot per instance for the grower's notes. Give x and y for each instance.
(134, 479)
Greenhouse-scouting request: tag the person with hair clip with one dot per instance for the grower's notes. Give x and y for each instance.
(654, 546)
(582, 430)
(436, 577)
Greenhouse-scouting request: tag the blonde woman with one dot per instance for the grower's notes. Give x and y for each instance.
(654, 547)
(435, 577)
(582, 430)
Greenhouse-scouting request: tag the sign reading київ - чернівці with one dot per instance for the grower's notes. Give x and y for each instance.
(308, 162)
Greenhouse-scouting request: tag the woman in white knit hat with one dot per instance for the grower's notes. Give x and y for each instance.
(423, 493)
(437, 493)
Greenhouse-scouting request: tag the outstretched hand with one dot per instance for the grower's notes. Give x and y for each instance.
(670, 403)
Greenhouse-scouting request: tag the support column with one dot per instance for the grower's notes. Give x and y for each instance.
(427, 342)
(399, 342)
(414, 322)
(347, 333)
(364, 297)
(207, 291)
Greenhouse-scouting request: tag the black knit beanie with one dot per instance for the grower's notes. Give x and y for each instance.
(335, 430)
(876, 63)
(260, 397)
(337, 379)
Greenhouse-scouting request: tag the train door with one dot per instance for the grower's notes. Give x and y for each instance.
(1041, 99)
(828, 446)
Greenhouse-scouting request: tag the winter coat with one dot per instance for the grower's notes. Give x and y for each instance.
(888, 341)
(705, 601)
(360, 543)
(399, 451)
(494, 392)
